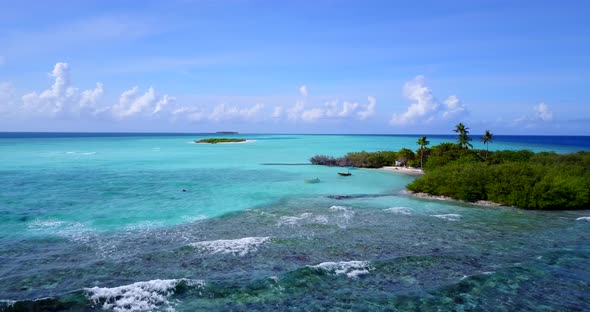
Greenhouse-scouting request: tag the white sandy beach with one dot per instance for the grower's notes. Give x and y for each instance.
(407, 170)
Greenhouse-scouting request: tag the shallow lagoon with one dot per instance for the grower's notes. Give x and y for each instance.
(101, 222)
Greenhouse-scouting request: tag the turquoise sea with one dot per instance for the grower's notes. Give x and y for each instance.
(101, 222)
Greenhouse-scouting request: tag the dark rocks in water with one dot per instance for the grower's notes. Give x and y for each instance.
(183, 190)
(73, 302)
(340, 197)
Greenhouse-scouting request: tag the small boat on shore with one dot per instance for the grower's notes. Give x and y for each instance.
(345, 174)
(314, 180)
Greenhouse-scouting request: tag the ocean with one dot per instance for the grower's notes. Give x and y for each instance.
(138, 222)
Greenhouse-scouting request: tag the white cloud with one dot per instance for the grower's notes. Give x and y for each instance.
(188, 113)
(333, 109)
(132, 103)
(543, 112)
(369, 109)
(454, 107)
(163, 103)
(226, 112)
(425, 107)
(62, 98)
(294, 113)
(312, 115)
(303, 91)
(424, 102)
(278, 112)
(91, 97)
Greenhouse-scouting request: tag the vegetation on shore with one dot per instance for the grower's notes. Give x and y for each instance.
(367, 159)
(514, 178)
(522, 178)
(220, 140)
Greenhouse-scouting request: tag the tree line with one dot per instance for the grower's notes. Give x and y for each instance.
(524, 179)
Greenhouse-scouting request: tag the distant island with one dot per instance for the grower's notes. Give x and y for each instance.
(226, 132)
(220, 140)
(522, 178)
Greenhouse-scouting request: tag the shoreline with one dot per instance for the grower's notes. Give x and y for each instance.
(405, 170)
(482, 203)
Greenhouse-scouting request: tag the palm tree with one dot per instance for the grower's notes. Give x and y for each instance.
(488, 137)
(464, 138)
(422, 142)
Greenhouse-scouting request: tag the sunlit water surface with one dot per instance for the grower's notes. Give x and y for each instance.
(92, 223)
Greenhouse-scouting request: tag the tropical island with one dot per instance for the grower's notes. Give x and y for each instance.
(523, 179)
(219, 140)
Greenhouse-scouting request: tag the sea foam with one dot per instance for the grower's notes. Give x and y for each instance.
(344, 218)
(399, 210)
(72, 230)
(292, 220)
(140, 296)
(351, 269)
(240, 246)
(339, 208)
(583, 219)
(449, 216)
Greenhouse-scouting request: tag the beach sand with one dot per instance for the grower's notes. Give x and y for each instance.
(407, 170)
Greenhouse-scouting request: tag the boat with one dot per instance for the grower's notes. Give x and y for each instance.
(314, 180)
(345, 174)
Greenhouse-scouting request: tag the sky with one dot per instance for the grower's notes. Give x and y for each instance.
(383, 67)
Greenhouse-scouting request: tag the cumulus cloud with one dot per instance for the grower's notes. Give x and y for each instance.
(303, 91)
(226, 112)
(312, 115)
(163, 103)
(333, 109)
(189, 113)
(62, 98)
(278, 112)
(294, 112)
(454, 107)
(369, 110)
(132, 102)
(540, 115)
(425, 107)
(543, 113)
(424, 102)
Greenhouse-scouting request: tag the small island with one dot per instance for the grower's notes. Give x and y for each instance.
(219, 140)
(523, 179)
(227, 132)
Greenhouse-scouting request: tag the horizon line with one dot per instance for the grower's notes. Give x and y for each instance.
(275, 133)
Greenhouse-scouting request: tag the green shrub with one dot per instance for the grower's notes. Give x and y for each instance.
(519, 178)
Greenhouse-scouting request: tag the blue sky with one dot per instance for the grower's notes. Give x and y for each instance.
(514, 67)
